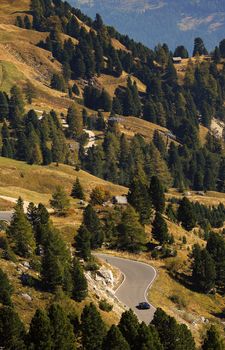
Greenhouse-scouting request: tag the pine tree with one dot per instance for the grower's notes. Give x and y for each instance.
(131, 234)
(160, 229)
(19, 22)
(129, 326)
(4, 106)
(83, 243)
(216, 248)
(30, 92)
(12, 331)
(75, 122)
(203, 270)
(77, 190)
(61, 329)
(7, 150)
(222, 48)
(139, 198)
(80, 287)
(217, 55)
(5, 290)
(213, 340)
(181, 51)
(20, 232)
(114, 340)
(105, 102)
(60, 201)
(199, 47)
(157, 194)
(55, 262)
(186, 215)
(93, 225)
(92, 327)
(75, 89)
(172, 335)
(58, 83)
(27, 22)
(148, 338)
(39, 335)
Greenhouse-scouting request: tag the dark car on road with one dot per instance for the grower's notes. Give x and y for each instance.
(144, 306)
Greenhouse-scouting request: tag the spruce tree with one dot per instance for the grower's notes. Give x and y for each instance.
(75, 122)
(92, 327)
(77, 190)
(30, 92)
(39, 335)
(80, 287)
(131, 234)
(20, 232)
(186, 214)
(12, 331)
(199, 47)
(93, 225)
(160, 229)
(55, 269)
(172, 335)
(58, 83)
(83, 243)
(157, 196)
(216, 248)
(5, 290)
(61, 329)
(60, 201)
(139, 198)
(4, 106)
(114, 340)
(203, 269)
(213, 340)
(148, 338)
(129, 326)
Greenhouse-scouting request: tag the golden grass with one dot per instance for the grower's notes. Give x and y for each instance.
(111, 83)
(210, 197)
(5, 205)
(203, 131)
(118, 45)
(131, 126)
(9, 9)
(38, 182)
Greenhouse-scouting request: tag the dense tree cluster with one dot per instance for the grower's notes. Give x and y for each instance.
(27, 137)
(120, 161)
(55, 329)
(33, 236)
(209, 264)
(191, 214)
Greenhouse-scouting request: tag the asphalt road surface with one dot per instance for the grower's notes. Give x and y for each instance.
(138, 278)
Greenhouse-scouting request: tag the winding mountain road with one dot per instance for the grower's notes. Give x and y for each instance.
(138, 277)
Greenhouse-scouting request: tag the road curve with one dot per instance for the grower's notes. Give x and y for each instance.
(138, 277)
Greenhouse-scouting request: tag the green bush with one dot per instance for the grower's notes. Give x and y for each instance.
(178, 300)
(104, 306)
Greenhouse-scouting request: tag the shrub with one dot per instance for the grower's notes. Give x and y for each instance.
(178, 300)
(104, 306)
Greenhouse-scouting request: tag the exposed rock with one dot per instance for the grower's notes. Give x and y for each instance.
(107, 275)
(26, 296)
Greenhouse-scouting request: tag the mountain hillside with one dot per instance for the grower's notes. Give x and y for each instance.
(158, 21)
(107, 145)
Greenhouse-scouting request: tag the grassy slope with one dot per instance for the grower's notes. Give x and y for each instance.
(37, 182)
